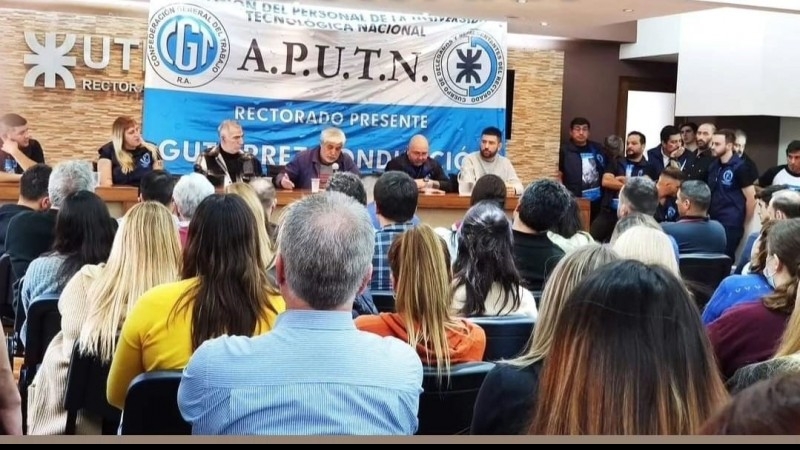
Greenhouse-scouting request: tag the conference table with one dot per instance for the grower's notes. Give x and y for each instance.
(438, 210)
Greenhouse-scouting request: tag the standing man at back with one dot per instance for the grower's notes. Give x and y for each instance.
(582, 163)
(732, 192)
(314, 373)
(488, 161)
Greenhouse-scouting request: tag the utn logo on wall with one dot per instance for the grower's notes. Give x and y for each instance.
(53, 59)
(288, 71)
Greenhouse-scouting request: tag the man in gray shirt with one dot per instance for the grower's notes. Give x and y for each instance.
(488, 161)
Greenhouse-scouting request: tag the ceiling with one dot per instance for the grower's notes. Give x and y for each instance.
(609, 20)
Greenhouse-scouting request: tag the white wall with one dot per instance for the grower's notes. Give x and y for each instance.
(658, 36)
(648, 112)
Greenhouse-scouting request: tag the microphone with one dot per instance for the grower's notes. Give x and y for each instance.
(335, 167)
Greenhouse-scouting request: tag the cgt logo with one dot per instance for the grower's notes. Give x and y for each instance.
(52, 61)
(187, 45)
(470, 67)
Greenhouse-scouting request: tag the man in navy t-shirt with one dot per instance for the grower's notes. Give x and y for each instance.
(732, 191)
(581, 163)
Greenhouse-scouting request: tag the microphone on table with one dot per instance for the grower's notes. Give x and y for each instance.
(335, 167)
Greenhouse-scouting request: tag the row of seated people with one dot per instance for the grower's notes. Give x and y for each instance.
(542, 195)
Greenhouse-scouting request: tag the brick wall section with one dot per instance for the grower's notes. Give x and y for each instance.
(75, 123)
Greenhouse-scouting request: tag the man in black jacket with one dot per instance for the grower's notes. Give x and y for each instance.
(417, 163)
(581, 163)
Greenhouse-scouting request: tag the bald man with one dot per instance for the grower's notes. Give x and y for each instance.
(418, 164)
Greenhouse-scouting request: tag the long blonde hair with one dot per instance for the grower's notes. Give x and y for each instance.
(146, 252)
(420, 264)
(118, 129)
(566, 275)
(649, 246)
(250, 196)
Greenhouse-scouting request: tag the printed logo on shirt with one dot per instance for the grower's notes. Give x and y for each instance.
(727, 177)
(672, 214)
(590, 177)
(145, 160)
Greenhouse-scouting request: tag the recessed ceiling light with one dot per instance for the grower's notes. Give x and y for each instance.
(544, 24)
(627, 10)
(522, 1)
(424, 14)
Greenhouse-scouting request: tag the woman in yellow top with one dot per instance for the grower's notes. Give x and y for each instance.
(224, 291)
(93, 305)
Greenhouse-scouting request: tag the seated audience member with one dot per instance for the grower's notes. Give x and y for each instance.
(227, 162)
(568, 232)
(765, 214)
(32, 197)
(84, 233)
(314, 354)
(268, 197)
(94, 305)
(31, 233)
(18, 151)
(485, 279)
(157, 186)
(248, 194)
(508, 393)
(488, 188)
(668, 184)
(349, 184)
(488, 161)
(127, 158)
(627, 340)
(320, 162)
(396, 198)
(10, 400)
(189, 191)
(420, 267)
(540, 208)
(639, 194)
(769, 407)
(695, 232)
(742, 288)
(751, 332)
(417, 163)
(648, 245)
(224, 289)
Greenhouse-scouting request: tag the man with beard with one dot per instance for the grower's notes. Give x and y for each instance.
(18, 151)
(616, 174)
(732, 192)
(703, 156)
(488, 161)
(670, 153)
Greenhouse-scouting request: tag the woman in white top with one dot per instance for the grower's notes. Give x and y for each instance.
(485, 278)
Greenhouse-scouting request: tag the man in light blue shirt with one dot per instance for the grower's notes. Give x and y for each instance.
(314, 373)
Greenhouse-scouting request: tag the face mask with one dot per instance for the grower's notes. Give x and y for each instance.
(770, 277)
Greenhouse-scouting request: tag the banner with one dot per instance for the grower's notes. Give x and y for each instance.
(286, 72)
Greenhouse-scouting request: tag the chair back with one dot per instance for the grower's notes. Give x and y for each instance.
(151, 405)
(43, 322)
(446, 409)
(86, 391)
(383, 300)
(7, 312)
(704, 272)
(506, 336)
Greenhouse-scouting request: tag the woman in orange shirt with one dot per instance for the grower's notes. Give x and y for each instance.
(420, 272)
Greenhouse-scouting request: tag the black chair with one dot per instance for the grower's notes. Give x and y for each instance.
(43, 323)
(151, 405)
(7, 312)
(703, 273)
(506, 336)
(86, 391)
(446, 409)
(384, 300)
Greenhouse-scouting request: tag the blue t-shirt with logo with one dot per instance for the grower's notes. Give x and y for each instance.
(593, 164)
(728, 203)
(142, 164)
(668, 211)
(627, 168)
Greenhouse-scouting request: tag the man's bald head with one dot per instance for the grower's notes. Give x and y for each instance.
(418, 150)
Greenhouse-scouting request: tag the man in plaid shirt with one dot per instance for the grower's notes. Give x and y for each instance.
(396, 198)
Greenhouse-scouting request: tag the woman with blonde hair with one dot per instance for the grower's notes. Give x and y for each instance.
(127, 158)
(647, 245)
(250, 196)
(94, 304)
(420, 274)
(629, 357)
(224, 290)
(509, 390)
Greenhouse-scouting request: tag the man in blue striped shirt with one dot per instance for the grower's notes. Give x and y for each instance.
(314, 373)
